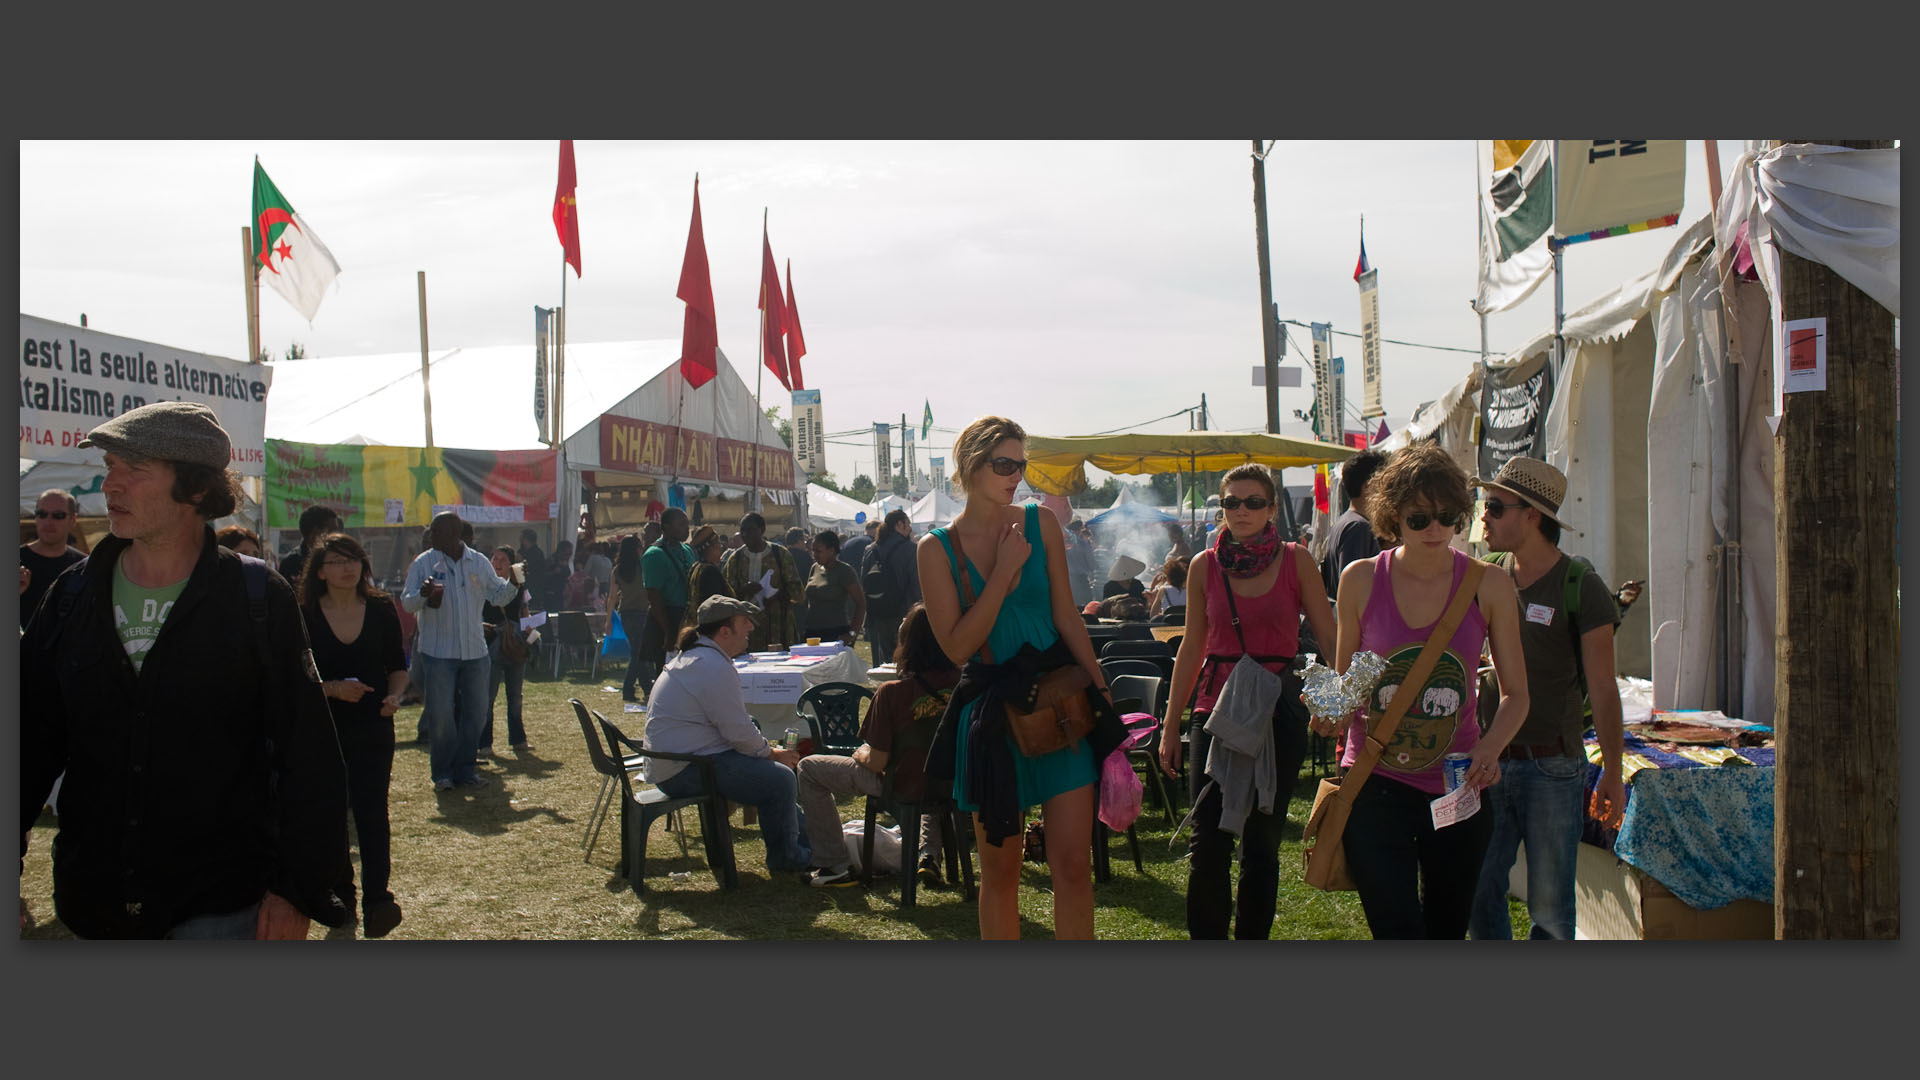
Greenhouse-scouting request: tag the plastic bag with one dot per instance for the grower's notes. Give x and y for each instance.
(615, 643)
(886, 846)
(1120, 792)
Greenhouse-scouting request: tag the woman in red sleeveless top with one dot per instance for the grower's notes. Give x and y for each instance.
(1416, 881)
(1245, 597)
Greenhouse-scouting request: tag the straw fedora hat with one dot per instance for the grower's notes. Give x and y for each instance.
(1537, 484)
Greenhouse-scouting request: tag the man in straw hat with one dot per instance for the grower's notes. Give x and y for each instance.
(697, 707)
(1566, 634)
(204, 798)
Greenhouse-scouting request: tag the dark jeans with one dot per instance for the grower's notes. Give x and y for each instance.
(1414, 881)
(366, 746)
(883, 633)
(514, 675)
(655, 643)
(636, 624)
(1209, 886)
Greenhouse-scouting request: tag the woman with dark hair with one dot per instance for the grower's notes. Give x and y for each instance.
(1416, 881)
(926, 677)
(354, 630)
(243, 540)
(502, 626)
(705, 578)
(1249, 592)
(630, 600)
(829, 589)
(1172, 590)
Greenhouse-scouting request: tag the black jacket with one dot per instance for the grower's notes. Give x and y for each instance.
(991, 781)
(196, 785)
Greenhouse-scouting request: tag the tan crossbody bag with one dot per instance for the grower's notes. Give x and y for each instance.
(1325, 857)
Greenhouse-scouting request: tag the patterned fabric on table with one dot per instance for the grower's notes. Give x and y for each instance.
(1699, 819)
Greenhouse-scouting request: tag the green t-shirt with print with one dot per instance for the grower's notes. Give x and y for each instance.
(138, 612)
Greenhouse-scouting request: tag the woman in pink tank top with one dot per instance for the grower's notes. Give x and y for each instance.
(1245, 598)
(1416, 881)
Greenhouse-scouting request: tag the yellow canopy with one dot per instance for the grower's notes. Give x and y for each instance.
(1056, 465)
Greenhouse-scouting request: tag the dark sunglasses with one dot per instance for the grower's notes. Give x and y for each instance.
(1006, 466)
(57, 515)
(1419, 522)
(1495, 507)
(1252, 502)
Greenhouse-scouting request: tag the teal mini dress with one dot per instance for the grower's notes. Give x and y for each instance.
(1026, 618)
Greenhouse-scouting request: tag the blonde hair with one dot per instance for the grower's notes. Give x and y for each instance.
(976, 442)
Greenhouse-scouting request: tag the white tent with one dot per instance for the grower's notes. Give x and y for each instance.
(1669, 469)
(934, 508)
(828, 509)
(880, 508)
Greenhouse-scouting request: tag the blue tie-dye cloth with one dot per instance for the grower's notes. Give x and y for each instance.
(1702, 829)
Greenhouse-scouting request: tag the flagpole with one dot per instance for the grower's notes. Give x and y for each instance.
(562, 507)
(426, 391)
(754, 495)
(252, 288)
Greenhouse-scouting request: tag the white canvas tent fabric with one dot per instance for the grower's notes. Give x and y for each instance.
(828, 509)
(880, 508)
(1642, 425)
(935, 508)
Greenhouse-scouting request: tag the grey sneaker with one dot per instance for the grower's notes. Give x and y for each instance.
(483, 752)
(473, 782)
(443, 785)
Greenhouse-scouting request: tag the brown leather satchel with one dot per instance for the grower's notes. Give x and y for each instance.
(1058, 713)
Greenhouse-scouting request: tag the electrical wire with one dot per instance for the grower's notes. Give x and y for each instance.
(1389, 341)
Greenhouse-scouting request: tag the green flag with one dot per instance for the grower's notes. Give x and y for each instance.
(287, 254)
(926, 421)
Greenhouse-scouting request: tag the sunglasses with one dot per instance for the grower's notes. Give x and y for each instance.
(57, 515)
(1006, 466)
(1495, 507)
(1253, 502)
(1419, 522)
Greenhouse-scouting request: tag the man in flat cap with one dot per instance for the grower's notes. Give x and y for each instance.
(697, 708)
(1566, 635)
(204, 798)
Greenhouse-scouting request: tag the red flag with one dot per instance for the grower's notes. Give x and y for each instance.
(700, 335)
(796, 341)
(774, 350)
(566, 215)
(1320, 500)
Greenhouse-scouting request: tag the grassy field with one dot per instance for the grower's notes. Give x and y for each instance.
(505, 862)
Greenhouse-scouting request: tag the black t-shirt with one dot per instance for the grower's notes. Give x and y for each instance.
(43, 569)
(371, 657)
(292, 565)
(1353, 540)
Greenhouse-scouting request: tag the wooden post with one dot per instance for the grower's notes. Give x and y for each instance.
(1269, 329)
(1837, 677)
(426, 391)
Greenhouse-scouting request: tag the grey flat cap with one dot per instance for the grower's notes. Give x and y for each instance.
(721, 608)
(168, 430)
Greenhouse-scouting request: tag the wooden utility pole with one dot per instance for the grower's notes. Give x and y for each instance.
(1837, 657)
(426, 388)
(1269, 329)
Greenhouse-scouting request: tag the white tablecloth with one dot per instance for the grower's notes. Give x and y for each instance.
(774, 711)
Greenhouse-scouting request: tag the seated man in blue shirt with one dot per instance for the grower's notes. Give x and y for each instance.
(697, 707)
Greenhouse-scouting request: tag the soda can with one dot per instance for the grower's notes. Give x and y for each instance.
(1454, 767)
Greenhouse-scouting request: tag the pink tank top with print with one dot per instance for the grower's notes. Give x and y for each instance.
(1444, 718)
(1270, 622)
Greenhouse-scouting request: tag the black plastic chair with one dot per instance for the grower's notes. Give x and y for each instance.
(1102, 863)
(1135, 647)
(1149, 692)
(832, 713)
(1133, 631)
(716, 834)
(1129, 666)
(571, 630)
(608, 769)
(955, 832)
(1173, 616)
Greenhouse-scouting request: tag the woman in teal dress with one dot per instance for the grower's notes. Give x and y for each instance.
(1024, 615)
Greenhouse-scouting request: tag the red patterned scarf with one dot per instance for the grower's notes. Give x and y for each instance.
(1245, 560)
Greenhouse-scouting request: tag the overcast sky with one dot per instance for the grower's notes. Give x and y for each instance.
(1076, 287)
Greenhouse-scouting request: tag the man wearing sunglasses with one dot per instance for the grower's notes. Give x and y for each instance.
(1543, 771)
(54, 518)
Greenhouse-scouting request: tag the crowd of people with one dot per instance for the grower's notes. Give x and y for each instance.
(171, 826)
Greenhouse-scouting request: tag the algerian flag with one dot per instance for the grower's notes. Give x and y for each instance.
(286, 252)
(926, 420)
(1516, 218)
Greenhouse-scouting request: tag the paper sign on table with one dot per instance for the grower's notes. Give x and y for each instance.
(1455, 806)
